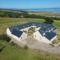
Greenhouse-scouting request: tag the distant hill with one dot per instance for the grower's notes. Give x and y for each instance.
(31, 13)
(53, 10)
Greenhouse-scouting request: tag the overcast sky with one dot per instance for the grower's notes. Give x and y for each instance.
(29, 4)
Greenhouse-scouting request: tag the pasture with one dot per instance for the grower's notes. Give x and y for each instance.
(14, 52)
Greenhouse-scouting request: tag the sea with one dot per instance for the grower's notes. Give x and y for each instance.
(54, 10)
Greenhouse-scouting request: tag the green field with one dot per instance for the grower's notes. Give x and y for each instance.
(6, 22)
(13, 52)
(45, 13)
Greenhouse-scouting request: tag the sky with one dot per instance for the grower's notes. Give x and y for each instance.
(27, 4)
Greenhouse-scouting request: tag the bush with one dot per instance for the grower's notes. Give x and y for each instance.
(26, 47)
(4, 37)
(49, 20)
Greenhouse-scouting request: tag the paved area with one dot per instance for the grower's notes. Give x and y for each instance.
(34, 44)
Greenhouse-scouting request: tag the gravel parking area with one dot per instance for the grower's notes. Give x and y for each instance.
(34, 44)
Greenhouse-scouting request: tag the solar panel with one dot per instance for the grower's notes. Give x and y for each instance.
(16, 32)
(50, 35)
(41, 32)
(45, 28)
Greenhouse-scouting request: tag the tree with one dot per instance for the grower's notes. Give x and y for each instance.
(49, 20)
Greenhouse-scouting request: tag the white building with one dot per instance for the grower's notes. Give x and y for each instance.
(43, 32)
(37, 35)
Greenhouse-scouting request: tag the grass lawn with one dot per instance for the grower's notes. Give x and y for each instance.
(57, 24)
(6, 22)
(45, 13)
(16, 53)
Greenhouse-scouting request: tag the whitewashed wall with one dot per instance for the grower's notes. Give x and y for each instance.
(23, 36)
(17, 40)
(36, 35)
(53, 39)
(39, 37)
(11, 35)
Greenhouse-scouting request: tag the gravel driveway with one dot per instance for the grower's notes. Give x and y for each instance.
(34, 44)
